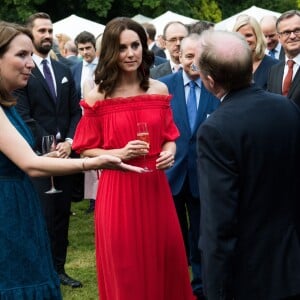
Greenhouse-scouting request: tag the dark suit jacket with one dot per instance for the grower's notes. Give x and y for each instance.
(185, 159)
(275, 82)
(35, 103)
(76, 71)
(161, 70)
(248, 158)
(158, 61)
(158, 51)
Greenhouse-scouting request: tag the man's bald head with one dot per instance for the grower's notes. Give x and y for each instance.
(226, 58)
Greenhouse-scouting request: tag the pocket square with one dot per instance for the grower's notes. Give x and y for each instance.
(64, 80)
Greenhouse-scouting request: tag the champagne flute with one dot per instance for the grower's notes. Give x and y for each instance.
(143, 135)
(49, 145)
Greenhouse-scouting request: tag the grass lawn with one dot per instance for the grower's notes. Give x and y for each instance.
(81, 254)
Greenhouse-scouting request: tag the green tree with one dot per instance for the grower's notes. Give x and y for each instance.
(231, 7)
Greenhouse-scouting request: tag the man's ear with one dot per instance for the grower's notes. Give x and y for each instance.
(211, 82)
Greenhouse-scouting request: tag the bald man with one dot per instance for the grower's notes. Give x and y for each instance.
(268, 27)
(249, 180)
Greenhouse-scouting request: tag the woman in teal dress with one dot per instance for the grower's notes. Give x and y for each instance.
(26, 270)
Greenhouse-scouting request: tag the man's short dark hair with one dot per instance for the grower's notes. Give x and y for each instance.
(85, 37)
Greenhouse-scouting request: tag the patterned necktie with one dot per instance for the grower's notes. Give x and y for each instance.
(49, 78)
(192, 104)
(288, 78)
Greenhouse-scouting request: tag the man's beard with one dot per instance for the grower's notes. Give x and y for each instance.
(43, 49)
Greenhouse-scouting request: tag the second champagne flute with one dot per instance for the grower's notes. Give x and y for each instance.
(49, 145)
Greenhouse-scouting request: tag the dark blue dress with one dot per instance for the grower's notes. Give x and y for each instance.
(261, 74)
(26, 269)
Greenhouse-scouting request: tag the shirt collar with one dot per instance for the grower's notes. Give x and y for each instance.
(296, 59)
(187, 79)
(38, 60)
(94, 62)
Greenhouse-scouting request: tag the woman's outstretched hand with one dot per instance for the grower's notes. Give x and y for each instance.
(107, 161)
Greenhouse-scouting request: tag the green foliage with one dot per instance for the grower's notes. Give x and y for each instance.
(231, 7)
(100, 8)
(104, 10)
(205, 10)
(18, 10)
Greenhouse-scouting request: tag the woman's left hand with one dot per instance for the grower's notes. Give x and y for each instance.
(165, 160)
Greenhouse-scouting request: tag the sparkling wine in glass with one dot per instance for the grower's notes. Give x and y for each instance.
(49, 145)
(143, 135)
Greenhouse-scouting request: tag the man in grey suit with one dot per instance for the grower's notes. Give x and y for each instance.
(173, 33)
(51, 107)
(288, 27)
(249, 180)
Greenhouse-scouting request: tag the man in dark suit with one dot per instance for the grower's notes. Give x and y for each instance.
(288, 27)
(249, 180)
(151, 32)
(84, 71)
(183, 175)
(268, 27)
(173, 33)
(53, 107)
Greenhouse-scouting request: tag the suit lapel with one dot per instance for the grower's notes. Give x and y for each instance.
(36, 73)
(295, 84)
(181, 103)
(202, 107)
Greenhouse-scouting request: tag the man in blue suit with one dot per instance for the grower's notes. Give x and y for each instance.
(183, 175)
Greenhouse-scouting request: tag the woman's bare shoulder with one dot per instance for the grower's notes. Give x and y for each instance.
(93, 96)
(157, 87)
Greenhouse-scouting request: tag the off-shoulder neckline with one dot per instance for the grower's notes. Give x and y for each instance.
(124, 99)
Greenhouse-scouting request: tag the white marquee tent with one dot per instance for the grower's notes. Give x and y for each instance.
(141, 19)
(73, 25)
(167, 17)
(253, 11)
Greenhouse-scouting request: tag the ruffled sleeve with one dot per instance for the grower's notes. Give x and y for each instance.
(88, 131)
(170, 133)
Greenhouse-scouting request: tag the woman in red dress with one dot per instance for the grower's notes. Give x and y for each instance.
(139, 248)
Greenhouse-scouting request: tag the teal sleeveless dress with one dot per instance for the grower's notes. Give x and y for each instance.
(26, 269)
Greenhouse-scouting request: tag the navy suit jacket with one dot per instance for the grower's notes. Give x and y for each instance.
(45, 115)
(76, 71)
(158, 51)
(185, 158)
(275, 82)
(248, 160)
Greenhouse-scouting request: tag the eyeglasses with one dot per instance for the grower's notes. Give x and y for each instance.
(287, 33)
(175, 39)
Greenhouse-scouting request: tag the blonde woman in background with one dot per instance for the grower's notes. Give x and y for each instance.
(250, 29)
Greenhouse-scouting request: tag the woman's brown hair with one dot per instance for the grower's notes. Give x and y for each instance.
(8, 31)
(107, 71)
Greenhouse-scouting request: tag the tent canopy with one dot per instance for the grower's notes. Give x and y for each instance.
(167, 17)
(253, 11)
(141, 19)
(73, 25)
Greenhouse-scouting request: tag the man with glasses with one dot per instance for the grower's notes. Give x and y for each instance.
(268, 27)
(284, 77)
(173, 34)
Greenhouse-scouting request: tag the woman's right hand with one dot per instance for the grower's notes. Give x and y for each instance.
(135, 148)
